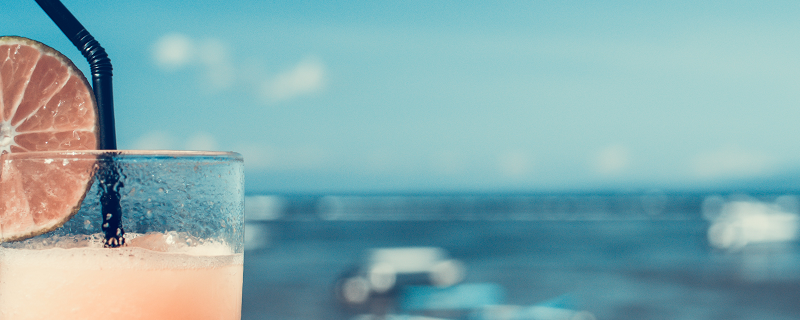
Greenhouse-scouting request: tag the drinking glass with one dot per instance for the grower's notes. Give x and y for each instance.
(179, 251)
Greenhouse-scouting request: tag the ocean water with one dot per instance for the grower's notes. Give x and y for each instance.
(592, 256)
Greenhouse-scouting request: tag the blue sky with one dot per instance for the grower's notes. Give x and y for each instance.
(349, 96)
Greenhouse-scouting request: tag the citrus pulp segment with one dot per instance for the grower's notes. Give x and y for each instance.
(46, 104)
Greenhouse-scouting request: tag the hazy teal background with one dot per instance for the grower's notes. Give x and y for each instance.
(340, 96)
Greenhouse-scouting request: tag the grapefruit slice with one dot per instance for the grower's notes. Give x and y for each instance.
(46, 104)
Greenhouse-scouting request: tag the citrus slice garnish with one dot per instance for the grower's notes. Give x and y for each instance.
(46, 104)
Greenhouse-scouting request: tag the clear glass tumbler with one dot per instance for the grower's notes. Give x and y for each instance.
(130, 235)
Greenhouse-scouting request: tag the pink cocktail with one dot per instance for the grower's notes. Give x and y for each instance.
(182, 216)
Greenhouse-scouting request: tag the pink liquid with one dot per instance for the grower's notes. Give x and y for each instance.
(119, 284)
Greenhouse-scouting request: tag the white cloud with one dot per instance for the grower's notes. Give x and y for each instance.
(201, 141)
(155, 140)
(514, 164)
(306, 77)
(612, 160)
(731, 161)
(173, 50)
(214, 56)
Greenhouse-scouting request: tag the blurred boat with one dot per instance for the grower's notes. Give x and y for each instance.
(385, 270)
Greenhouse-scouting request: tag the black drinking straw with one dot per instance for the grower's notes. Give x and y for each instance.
(100, 66)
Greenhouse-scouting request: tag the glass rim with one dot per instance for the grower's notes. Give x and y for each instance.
(124, 153)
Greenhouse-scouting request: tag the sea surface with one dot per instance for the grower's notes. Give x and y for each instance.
(646, 255)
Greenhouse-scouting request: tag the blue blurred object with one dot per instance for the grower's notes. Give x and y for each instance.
(563, 307)
(565, 301)
(465, 296)
(536, 312)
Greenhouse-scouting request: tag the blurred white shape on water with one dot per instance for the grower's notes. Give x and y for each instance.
(423, 260)
(260, 208)
(741, 222)
(263, 208)
(386, 269)
(256, 236)
(355, 290)
(407, 260)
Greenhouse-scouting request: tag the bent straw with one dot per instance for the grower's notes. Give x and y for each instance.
(100, 66)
